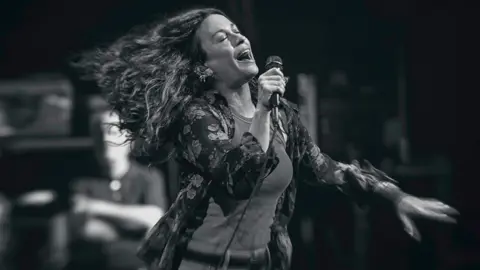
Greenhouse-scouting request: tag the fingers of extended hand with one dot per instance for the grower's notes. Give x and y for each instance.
(439, 216)
(436, 210)
(436, 205)
(410, 227)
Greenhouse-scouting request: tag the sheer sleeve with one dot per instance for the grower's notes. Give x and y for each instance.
(360, 183)
(206, 145)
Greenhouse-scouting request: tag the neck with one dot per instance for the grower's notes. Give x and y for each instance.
(119, 169)
(239, 99)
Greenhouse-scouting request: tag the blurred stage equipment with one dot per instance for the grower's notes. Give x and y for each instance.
(404, 145)
(307, 91)
(37, 106)
(307, 103)
(5, 207)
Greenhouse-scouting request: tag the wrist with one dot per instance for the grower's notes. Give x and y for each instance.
(391, 192)
(262, 111)
(400, 198)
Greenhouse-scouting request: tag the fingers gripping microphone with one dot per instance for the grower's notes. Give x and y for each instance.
(274, 62)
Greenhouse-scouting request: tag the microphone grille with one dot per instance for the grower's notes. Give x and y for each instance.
(274, 62)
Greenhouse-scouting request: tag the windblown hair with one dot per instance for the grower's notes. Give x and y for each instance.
(149, 75)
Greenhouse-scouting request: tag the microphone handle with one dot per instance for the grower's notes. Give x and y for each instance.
(275, 101)
(275, 115)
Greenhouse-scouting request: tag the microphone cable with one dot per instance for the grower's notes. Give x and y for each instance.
(255, 190)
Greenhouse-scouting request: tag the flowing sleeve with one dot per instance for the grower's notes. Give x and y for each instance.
(206, 145)
(361, 183)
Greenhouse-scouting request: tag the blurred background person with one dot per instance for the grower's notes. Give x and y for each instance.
(118, 209)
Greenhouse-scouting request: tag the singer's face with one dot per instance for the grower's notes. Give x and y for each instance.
(228, 52)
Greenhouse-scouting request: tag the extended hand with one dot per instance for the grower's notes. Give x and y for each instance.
(410, 206)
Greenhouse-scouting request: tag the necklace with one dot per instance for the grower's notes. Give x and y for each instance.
(240, 117)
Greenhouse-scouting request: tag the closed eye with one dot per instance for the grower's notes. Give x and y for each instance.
(221, 37)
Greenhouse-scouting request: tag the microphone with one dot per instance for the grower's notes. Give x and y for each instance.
(274, 62)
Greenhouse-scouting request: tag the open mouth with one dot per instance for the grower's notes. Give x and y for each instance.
(245, 56)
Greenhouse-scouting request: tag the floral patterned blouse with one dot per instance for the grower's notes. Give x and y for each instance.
(207, 157)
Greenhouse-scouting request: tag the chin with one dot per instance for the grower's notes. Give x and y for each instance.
(249, 75)
(251, 71)
(243, 74)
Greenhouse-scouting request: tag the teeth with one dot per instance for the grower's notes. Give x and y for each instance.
(244, 53)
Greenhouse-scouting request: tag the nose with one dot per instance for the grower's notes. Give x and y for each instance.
(239, 39)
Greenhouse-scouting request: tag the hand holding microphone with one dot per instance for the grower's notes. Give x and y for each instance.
(271, 84)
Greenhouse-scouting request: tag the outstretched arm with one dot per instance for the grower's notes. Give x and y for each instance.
(365, 182)
(317, 168)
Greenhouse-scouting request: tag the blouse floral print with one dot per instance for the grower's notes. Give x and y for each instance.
(207, 157)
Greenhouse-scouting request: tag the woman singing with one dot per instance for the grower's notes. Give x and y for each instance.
(190, 81)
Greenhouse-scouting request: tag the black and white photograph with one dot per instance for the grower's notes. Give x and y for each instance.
(239, 135)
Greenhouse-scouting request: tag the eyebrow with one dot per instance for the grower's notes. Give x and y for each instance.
(232, 25)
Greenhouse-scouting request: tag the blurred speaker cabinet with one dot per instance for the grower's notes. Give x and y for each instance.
(352, 120)
(36, 107)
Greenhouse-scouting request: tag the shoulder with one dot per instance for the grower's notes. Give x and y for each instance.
(205, 105)
(206, 101)
(196, 112)
(209, 108)
(195, 107)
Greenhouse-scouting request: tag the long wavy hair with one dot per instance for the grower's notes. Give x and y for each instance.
(149, 76)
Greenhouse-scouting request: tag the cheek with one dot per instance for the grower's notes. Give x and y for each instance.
(219, 58)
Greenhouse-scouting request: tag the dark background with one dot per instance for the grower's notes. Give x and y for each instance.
(369, 39)
(366, 38)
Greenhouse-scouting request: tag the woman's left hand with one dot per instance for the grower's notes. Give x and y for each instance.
(411, 206)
